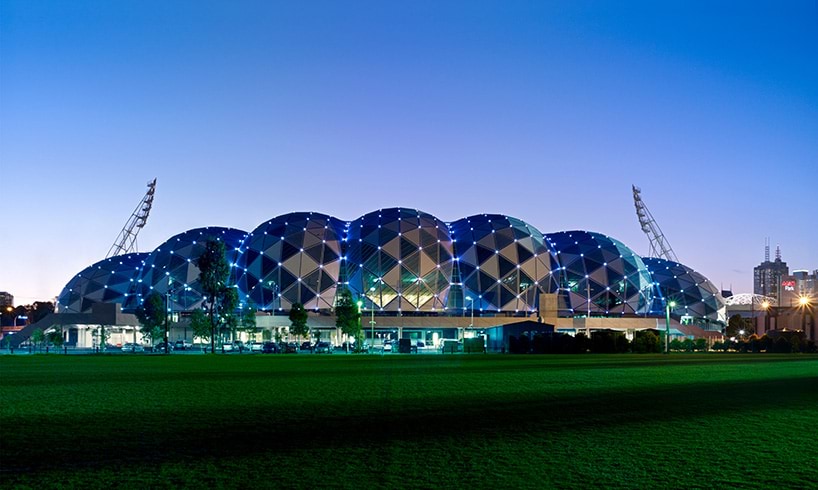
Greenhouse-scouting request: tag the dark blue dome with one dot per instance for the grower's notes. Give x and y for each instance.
(293, 258)
(504, 263)
(600, 275)
(401, 259)
(172, 266)
(112, 280)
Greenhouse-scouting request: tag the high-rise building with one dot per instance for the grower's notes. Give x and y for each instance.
(6, 299)
(767, 275)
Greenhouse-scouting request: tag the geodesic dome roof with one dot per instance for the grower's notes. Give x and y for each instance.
(600, 274)
(172, 266)
(108, 281)
(748, 299)
(693, 294)
(405, 254)
(293, 258)
(504, 263)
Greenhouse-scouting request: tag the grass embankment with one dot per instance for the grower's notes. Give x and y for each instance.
(411, 421)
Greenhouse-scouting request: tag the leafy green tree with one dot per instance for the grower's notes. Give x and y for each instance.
(645, 341)
(37, 338)
(700, 345)
(347, 315)
(736, 324)
(221, 298)
(152, 316)
(55, 338)
(247, 321)
(39, 310)
(200, 325)
(676, 345)
(298, 319)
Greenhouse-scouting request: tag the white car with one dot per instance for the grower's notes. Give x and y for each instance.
(132, 348)
(387, 347)
(256, 346)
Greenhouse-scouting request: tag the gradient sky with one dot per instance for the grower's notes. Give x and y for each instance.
(546, 111)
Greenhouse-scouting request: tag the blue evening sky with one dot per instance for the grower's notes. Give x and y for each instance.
(547, 111)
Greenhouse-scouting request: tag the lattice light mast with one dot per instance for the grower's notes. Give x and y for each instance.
(126, 240)
(659, 246)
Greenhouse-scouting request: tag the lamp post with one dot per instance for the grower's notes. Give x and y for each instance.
(471, 322)
(360, 309)
(274, 287)
(803, 303)
(765, 305)
(668, 306)
(372, 321)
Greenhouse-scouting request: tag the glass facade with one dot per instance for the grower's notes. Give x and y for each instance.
(112, 280)
(503, 262)
(171, 268)
(693, 293)
(400, 259)
(599, 275)
(294, 258)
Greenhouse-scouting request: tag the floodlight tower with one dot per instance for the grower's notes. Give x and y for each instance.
(659, 246)
(126, 240)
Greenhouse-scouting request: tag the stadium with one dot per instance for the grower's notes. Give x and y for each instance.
(414, 275)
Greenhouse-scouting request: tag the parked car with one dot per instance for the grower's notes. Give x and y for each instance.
(270, 348)
(291, 348)
(257, 346)
(323, 348)
(132, 348)
(160, 347)
(306, 346)
(228, 347)
(182, 345)
(387, 347)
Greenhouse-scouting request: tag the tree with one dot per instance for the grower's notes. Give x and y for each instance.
(221, 298)
(700, 344)
(55, 338)
(347, 315)
(298, 318)
(247, 321)
(152, 316)
(200, 325)
(736, 324)
(39, 310)
(37, 338)
(645, 341)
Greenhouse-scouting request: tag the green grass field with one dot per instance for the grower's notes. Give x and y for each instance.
(686, 421)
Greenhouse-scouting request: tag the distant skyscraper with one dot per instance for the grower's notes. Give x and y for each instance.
(767, 275)
(6, 299)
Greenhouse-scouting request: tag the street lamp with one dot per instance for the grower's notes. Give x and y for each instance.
(765, 305)
(372, 320)
(803, 303)
(668, 306)
(360, 308)
(471, 323)
(274, 287)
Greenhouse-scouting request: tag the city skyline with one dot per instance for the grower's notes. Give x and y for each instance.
(547, 113)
